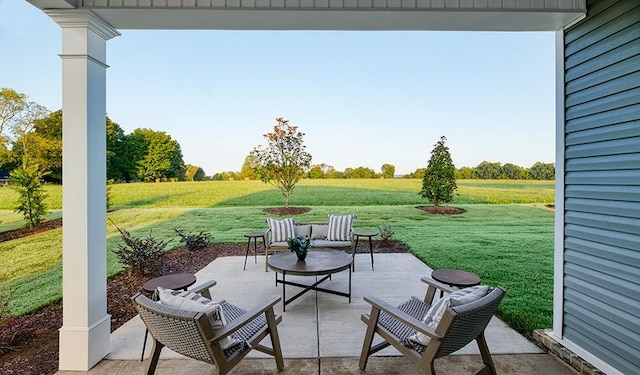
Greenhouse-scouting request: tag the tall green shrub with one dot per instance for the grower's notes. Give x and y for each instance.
(439, 182)
(26, 179)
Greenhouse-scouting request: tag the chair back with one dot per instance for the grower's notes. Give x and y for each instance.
(178, 330)
(469, 321)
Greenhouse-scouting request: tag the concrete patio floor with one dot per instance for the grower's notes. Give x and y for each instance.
(322, 333)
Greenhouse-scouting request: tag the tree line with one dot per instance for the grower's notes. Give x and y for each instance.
(30, 134)
(498, 171)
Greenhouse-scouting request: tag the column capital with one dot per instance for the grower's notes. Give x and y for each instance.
(83, 18)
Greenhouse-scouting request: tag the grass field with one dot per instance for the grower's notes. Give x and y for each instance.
(507, 244)
(366, 192)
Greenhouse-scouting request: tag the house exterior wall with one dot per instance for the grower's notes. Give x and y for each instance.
(601, 259)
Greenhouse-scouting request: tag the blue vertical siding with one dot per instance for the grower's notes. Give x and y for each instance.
(601, 310)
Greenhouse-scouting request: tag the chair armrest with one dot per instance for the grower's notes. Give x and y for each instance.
(403, 317)
(203, 288)
(433, 287)
(248, 316)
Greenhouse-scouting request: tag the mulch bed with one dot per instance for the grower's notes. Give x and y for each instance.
(285, 211)
(442, 210)
(19, 233)
(35, 336)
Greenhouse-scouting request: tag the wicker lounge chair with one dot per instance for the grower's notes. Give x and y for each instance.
(459, 326)
(190, 333)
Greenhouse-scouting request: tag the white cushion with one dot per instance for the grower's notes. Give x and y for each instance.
(319, 231)
(325, 243)
(339, 228)
(435, 313)
(281, 230)
(194, 302)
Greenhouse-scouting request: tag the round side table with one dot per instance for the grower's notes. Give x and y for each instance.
(457, 278)
(254, 236)
(369, 235)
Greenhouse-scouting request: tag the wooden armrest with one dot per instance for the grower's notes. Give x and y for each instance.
(203, 288)
(444, 287)
(246, 317)
(403, 317)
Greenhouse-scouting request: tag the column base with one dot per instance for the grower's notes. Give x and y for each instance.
(81, 348)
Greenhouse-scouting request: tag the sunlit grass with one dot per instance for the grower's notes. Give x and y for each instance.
(358, 192)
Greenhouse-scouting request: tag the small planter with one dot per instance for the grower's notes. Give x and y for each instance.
(300, 246)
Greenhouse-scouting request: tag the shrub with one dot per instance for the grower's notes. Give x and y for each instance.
(386, 232)
(195, 242)
(439, 182)
(142, 255)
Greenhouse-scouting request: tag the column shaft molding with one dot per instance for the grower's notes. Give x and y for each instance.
(83, 18)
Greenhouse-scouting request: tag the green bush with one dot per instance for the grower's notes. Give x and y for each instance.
(195, 242)
(31, 193)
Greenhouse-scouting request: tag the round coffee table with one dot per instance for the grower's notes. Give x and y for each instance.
(318, 262)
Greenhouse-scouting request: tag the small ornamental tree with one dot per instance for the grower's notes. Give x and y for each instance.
(283, 161)
(439, 182)
(26, 179)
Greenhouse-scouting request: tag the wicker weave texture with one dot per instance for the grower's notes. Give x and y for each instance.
(416, 309)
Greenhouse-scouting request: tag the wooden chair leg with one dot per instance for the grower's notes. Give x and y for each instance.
(368, 337)
(155, 355)
(484, 352)
(275, 338)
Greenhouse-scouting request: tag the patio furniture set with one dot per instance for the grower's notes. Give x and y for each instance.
(220, 333)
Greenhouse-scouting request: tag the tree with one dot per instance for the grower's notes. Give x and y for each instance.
(316, 172)
(543, 171)
(118, 160)
(363, 172)
(283, 161)
(31, 194)
(465, 173)
(512, 172)
(487, 170)
(194, 173)
(158, 155)
(388, 170)
(439, 182)
(418, 173)
(247, 171)
(12, 104)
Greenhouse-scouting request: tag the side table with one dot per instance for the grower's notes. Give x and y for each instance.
(254, 236)
(457, 278)
(173, 281)
(369, 235)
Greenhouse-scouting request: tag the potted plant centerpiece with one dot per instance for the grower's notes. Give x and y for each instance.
(299, 245)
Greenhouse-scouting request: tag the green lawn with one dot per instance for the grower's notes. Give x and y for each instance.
(506, 244)
(367, 192)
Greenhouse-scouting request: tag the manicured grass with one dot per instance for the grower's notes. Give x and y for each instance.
(366, 192)
(507, 245)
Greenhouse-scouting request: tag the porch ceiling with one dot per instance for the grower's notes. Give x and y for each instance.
(459, 15)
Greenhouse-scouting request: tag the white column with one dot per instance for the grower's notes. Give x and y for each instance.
(85, 332)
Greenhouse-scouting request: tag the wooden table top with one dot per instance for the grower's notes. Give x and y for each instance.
(254, 234)
(455, 277)
(365, 233)
(318, 262)
(173, 281)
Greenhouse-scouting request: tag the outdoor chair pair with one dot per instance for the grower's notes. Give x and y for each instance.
(191, 333)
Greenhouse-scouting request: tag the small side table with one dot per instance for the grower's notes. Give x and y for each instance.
(254, 236)
(173, 281)
(457, 278)
(369, 235)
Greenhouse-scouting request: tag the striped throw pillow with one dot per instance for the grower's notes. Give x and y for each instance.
(340, 228)
(281, 230)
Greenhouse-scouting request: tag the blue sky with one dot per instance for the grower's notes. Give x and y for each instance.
(362, 98)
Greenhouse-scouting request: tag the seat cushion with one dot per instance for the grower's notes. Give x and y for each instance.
(340, 228)
(281, 230)
(326, 243)
(194, 302)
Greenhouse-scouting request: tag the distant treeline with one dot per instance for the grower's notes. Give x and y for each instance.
(485, 170)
